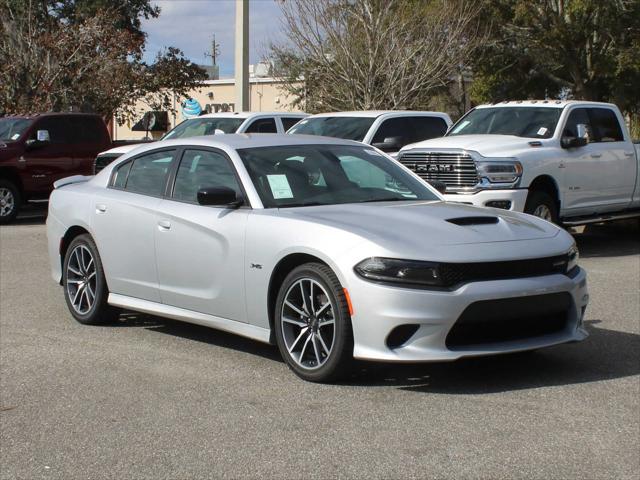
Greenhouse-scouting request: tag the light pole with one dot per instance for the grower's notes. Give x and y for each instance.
(242, 55)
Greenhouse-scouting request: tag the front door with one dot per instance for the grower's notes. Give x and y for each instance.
(200, 249)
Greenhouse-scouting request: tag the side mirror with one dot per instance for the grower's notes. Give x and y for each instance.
(219, 197)
(390, 144)
(582, 131)
(43, 136)
(572, 142)
(439, 186)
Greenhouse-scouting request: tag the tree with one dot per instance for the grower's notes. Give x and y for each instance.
(63, 59)
(584, 49)
(373, 54)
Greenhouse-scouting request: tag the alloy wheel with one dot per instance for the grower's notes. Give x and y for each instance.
(7, 202)
(542, 211)
(308, 323)
(81, 279)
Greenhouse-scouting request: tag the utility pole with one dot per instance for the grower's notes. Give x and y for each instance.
(242, 56)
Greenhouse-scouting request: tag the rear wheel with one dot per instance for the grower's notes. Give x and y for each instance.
(10, 201)
(542, 205)
(85, 287)
(312, 323)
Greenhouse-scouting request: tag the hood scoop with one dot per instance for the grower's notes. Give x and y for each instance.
(466, 221)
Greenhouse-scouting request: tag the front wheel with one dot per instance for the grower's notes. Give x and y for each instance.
(10, 201)
(312, 323)
(540, 204)
(85, 286)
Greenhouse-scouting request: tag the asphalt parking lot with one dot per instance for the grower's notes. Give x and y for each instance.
(151, 398)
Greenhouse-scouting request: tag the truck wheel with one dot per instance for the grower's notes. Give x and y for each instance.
(540, 204)
(10, 201)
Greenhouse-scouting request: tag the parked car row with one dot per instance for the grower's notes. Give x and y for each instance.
(568, 162)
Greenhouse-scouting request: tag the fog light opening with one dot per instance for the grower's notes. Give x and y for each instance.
(401, 335)
(502, 204)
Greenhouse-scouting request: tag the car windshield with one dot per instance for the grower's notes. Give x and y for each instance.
(11, 129)
(303, 175)
(529, 122)
(349, 128)
(196, 127)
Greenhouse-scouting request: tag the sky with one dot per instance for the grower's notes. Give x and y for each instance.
(190, 25)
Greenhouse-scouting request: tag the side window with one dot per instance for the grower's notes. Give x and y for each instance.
(85, 130)
(201, 169)
(120, 176)
(288, 122)
(576, 117)
(606, 127)
(262, 125)
(148, 173)
(425, 128)
(58, 128)
(393, 127)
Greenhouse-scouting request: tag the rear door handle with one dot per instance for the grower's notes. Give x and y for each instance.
(629, 154)
(596, 155)
(164, 225)
(101, 208)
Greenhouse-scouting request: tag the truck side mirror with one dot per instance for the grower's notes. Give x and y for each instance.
(43, 136)
(42, 139)
(572, 142)
(390, 144)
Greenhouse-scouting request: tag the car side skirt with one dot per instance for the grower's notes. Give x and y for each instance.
(181, 314)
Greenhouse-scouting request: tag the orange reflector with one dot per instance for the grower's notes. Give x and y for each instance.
(348, 298)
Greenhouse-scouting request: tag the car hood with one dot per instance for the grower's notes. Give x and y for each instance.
(485, 145)
(417, 224)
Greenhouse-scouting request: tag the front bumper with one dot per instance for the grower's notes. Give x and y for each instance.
(378, 309)
(483, 198)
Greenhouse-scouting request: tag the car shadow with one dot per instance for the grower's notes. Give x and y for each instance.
(605, 355)
(197, 333)
(613, 239)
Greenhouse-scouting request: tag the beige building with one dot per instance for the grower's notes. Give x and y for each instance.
(265, 94)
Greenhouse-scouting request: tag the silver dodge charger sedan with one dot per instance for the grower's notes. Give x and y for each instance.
(326, 247)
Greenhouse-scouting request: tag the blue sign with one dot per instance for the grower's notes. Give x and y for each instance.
(191, 108)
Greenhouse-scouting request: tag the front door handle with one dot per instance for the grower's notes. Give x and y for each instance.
(596, 155)
(164, 225)
(101, 208)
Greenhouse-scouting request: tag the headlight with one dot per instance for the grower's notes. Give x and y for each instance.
(503, 171)
(573, 256)
(392, 270)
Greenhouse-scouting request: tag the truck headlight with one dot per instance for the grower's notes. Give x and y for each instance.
(393, 270)
(572, 258)
(503, 171)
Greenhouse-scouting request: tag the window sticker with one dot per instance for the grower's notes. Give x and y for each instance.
(461, 126)
(543, 131)
(15, 136)
(280, 187)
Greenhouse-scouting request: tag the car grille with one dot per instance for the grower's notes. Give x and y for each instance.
(104, 160)
(510, 319)
(453, 274)
(456, 170)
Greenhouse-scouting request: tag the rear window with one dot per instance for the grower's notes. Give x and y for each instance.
(606, 127)
(349, 128)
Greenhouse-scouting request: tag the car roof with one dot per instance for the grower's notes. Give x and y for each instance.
(238, 141)
(543, 103)
(50, 114)
(377, 113)
(245, 115)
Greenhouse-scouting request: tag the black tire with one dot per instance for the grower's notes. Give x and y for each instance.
(337, 364)
(99, 312)
(539, 201)
(9, 193)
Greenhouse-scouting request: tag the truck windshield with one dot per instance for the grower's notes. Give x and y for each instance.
(309, 175)
(349, 128)
(529, 122)
(11, 129)
(196, 127)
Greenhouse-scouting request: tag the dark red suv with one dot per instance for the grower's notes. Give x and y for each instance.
(37, 150)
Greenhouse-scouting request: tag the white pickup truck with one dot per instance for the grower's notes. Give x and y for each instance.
(570, 162)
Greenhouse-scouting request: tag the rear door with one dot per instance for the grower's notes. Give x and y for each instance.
(46, 163)
(125, 219)
(200, 249)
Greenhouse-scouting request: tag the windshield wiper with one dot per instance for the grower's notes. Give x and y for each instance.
(390, 199)
(303, 204)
